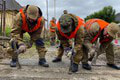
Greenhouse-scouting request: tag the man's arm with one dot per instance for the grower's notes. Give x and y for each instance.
(16, 32)
(79, 38)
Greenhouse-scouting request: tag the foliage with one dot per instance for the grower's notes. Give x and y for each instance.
(26, 37)
(107, 14)
(7, 31)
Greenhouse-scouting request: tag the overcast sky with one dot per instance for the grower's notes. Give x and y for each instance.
(80, 8)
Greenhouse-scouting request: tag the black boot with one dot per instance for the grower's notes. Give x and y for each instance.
(42, 62)
(113, 66)
(57, 59)
(86, 66)
(13, 63)
(74, 67)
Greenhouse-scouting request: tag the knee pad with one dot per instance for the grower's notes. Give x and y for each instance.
(13, 44)
(39, 42)
(60, 46)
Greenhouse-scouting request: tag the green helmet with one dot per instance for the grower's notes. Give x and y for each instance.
(53, 18)
(66, 23)
(32, 12)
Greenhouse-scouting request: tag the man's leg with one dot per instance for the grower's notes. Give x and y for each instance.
(85, 64)
(59, 54)
(11, 51)
(110, 57)
(41, 52)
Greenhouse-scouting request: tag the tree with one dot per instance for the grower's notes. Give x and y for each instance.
(107, 14)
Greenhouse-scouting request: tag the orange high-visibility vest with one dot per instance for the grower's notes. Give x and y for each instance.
(53, 25)
(72, 35)
(25, 25)
(101, 23)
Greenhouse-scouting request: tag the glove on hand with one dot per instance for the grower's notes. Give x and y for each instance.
(22, 48)
(67, 49)
(92, 51)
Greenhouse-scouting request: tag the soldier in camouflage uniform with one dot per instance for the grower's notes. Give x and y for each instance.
(70, 27)
(30, 20)
(106, 32)
(52, 31)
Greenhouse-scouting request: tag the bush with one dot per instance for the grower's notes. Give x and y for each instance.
(7, 31)
(26, 38)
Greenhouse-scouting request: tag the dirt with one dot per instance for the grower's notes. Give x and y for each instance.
(57, 71)
(3, 53)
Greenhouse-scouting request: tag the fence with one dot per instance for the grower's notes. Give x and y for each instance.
(2, 24)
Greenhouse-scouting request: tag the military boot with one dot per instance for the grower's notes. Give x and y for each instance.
(113, 66)
(42, 62)
(13, 63)
(57, 59)
(74, 67)
(86, 66)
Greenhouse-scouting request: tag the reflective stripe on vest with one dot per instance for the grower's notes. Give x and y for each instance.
(53, 25)
(72, 35)
(25, 25)
(104, 40)
(101, 23)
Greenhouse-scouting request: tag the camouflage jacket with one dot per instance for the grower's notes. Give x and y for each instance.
(17, 32)
(89, 35)
(51, 26)
(52, 29)
(78, 39)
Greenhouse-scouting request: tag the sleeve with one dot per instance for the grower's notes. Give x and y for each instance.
(16, 32)
(88, 38)
(79, 38)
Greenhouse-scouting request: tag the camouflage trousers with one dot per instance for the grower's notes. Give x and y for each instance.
(52, 41)
(39, 47)
(52, 38)
(107, 48)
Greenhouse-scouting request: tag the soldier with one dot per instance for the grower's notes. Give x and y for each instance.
(69, 27)
(30, 20)
(106, 32)
(52, 31)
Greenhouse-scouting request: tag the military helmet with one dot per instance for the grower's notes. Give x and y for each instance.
(53, 18)
(94, 27)
(113, 29)
(32, 12)
(66, 23)
(65, 11)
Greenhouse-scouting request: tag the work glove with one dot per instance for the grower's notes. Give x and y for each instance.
(93, 56)
(22, 48)
(68, 51)
(92, 51)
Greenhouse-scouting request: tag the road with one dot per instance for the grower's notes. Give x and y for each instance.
(57, 71)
